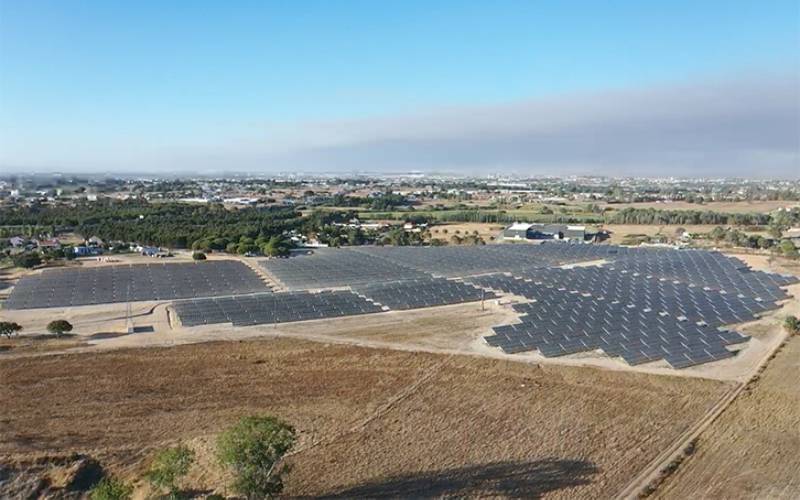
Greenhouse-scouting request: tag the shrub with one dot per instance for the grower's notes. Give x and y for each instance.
(59, 327)
(792, 324)
(27, 260)
(111, 489)
(253, 449)
(169, 466)
(9, 328)
(199, 256)
(788, 249)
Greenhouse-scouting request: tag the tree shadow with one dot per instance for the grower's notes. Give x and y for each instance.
(43, 336)
(508, 479)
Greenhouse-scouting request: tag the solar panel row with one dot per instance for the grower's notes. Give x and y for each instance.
(122, 283)
(643, 307)
(244, 310)
(414, 294)
(461, 261)
(330, 268)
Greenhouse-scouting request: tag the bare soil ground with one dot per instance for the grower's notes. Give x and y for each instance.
(372, 422)
(751, 451)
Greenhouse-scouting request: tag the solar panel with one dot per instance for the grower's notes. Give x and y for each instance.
(269, 308)
(643, 306)
(137, 282)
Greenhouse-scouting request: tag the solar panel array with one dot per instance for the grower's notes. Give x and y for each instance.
(642, 305)
(427, 292)
(330, 268)
(460, 261)
(122, 283)
(707, 269)
(283, 307)
(645, 306)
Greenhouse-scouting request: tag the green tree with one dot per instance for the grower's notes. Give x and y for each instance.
(111, 489)
(717, 233)
(788, 249)
(276, 246)
(27, 260)
(775, 230)
(9, 328)
(59, 327)
(168, 467)
(253, 449)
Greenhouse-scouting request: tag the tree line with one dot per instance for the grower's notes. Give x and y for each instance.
(174, 225)
(640, 216)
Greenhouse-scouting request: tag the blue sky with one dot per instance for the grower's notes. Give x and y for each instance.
(184, 85)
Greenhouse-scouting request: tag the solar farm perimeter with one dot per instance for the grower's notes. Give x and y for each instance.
(399, 361)
(641, 305)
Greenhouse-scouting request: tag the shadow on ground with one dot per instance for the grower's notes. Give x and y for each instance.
(508, 479)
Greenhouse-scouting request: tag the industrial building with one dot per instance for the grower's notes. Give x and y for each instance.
(526, 231)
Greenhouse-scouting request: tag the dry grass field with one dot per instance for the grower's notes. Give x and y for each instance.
(372, 422)
(751, 451)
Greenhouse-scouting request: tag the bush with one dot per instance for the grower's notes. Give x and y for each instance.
(253, 449)
(199, 256)
(27, 260)
(788, 249)
(9, 328)
(792, 324)
(111, 489)
(59, 327)
(169, 466)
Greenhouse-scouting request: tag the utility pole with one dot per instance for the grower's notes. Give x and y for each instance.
(128, 319)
